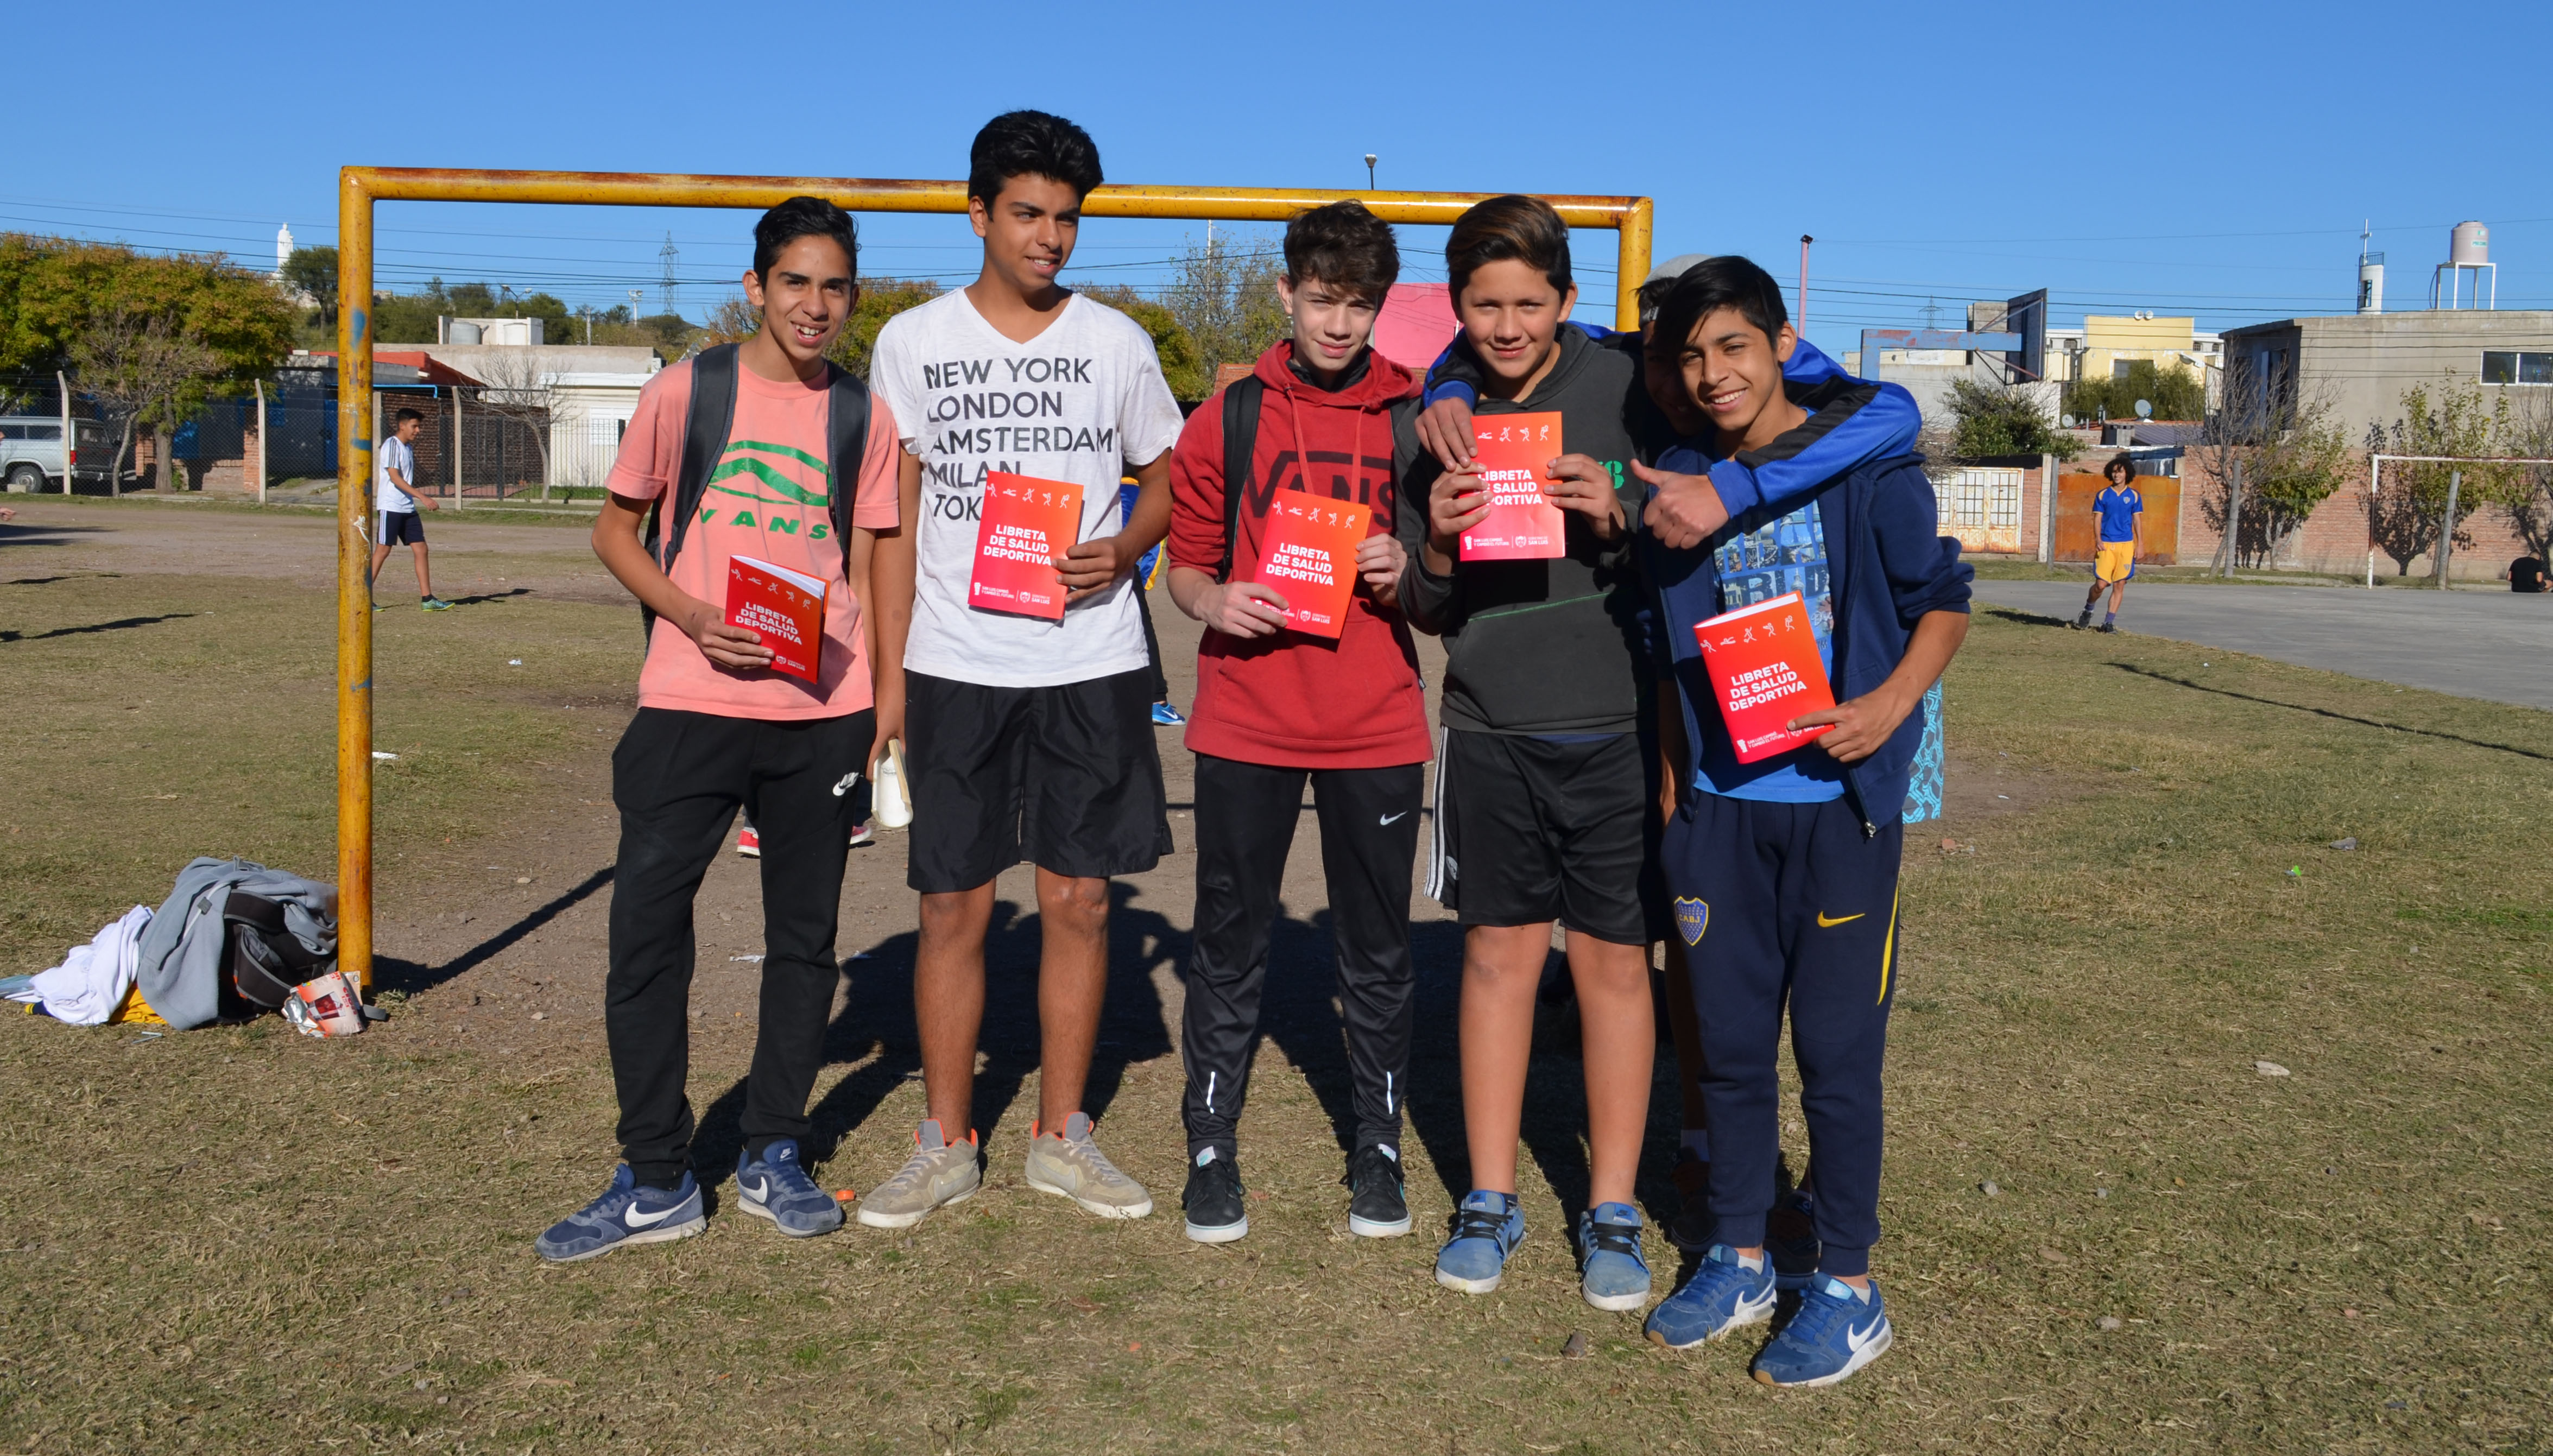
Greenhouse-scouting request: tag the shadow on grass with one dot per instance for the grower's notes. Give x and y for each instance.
(117, 625)
(2177, 682)
(2024, 619)
(409, 979)
(77, 576)
(876, 1023)
(484, 597)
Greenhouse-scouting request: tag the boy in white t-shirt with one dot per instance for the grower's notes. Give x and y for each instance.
(1026, 738)
(396, 507)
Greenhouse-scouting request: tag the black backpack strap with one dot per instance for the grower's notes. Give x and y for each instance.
(847, 421)
(1241, 402)
(704, 433)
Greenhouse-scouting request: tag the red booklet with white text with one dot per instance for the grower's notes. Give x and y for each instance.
(1027, 523)
(1509, 451)
(1765, 670)
(786, 608)
(1307, 551)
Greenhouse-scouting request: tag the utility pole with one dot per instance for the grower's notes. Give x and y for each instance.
(2233, 552)
(1802, 326)
(1368, 171)
(669, 253)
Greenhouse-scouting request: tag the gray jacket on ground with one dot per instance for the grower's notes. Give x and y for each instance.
(185, 952)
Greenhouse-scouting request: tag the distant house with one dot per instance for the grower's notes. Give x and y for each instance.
(2359, 364)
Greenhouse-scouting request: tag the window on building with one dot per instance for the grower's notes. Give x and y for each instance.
(2119, 369)
(2500, 366)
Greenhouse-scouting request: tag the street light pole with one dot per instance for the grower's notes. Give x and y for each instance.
(1368, 171)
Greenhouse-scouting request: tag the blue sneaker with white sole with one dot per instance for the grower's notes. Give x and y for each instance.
(1723, 1295)
(627, 1213)
(1487, 1229)
(775, 1187)
(1838, 1330)
(1612, 1274)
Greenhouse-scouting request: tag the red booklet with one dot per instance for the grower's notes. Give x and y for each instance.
(1510, 451)
(1308, 552)
(1027, 523)
(787, 608)
(1764, 667)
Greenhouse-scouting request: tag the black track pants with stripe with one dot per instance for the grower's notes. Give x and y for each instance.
(1246, 815)
(1789, 905)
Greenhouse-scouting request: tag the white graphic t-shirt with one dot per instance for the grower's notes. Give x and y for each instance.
(1083, 401)
(393, 454)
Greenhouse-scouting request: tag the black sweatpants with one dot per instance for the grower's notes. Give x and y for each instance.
(679, 779)
(1246, 813)
(1789, 905)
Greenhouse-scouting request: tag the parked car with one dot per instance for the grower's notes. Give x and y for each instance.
(31, 452)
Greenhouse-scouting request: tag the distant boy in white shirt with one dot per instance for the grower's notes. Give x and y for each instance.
(393, 475)
(1026, 738)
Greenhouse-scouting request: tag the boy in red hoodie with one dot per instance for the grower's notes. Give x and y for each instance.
(1326, 415)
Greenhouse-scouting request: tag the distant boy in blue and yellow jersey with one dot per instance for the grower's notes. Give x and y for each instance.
(2115, 560)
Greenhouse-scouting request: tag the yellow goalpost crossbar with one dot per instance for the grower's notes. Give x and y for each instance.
(359, 187)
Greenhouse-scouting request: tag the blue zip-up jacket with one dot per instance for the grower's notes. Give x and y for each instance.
(1887, 564)
(1864, 421)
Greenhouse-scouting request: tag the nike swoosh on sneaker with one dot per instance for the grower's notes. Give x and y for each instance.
(1854, 1339)
(1745, 1305)
(633, 1218)
(1388, 818)
(1828, 922)
(844, 786)
(759, 1192)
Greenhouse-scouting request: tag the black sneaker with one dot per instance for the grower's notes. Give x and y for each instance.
(1375, 1207)
(2109, 626)
(2084, 620)
(1214, 1202)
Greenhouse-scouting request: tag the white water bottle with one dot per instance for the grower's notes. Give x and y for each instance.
(893, 800)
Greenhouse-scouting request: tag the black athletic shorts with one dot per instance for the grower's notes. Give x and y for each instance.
(1066, 777)
(1531, 829)
(401, 529)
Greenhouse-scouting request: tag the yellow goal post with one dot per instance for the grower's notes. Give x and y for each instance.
(359, 187)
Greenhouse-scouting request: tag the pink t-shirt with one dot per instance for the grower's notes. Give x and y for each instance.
(769, 497)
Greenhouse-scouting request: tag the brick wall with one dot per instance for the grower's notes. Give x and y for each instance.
(2334, 538)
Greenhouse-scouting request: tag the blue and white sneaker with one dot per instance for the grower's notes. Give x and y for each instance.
(1611, 1272)
(1837, 1331)
(1487, 1229)
(1165, 716)
(1723, 1295)
(776, 1188)
(625, 1214)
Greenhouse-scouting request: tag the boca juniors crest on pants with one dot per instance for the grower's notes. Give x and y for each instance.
(1692, 918)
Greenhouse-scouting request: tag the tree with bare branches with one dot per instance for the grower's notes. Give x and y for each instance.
(520, 385)
(2292, 454)
(2408, 515)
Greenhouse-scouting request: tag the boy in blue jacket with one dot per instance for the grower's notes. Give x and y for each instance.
(1783, 873)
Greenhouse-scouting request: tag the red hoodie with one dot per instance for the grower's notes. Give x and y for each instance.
(1290, 701)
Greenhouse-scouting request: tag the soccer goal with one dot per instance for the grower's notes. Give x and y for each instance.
(360, 187)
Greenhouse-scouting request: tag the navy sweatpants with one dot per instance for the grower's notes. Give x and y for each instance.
(1789, 903)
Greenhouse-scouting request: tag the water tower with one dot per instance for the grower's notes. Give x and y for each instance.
(2467, 251)
(2371, 276)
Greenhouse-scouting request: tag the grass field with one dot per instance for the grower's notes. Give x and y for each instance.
(238, 1240)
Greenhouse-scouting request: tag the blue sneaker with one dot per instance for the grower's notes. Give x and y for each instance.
(1722, 1295)
(1487, 1229)
(625, 1214)
(1165, 716)
(1835, 1333)
(1611, 1272)
(776, 1188)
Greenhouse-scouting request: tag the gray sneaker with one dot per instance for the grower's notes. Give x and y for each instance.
(1071, 1165)
(939, 1173)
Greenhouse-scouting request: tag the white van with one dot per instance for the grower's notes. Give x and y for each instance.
(31, 452)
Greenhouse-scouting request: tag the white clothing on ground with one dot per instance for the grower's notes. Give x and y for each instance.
(90, 983)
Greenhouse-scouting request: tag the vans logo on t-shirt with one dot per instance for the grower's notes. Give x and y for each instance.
(742, 471)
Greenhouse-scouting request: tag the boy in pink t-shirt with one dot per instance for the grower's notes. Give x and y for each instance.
(719, 730)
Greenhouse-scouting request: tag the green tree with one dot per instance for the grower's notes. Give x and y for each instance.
(1987, 421)
(2176, 393)
(1224, 296)
(314, 271)
(880, 300)
(2408, 515)
(2294, 456)
(1182, 367)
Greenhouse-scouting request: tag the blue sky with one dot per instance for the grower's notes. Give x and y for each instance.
(2208, 159)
